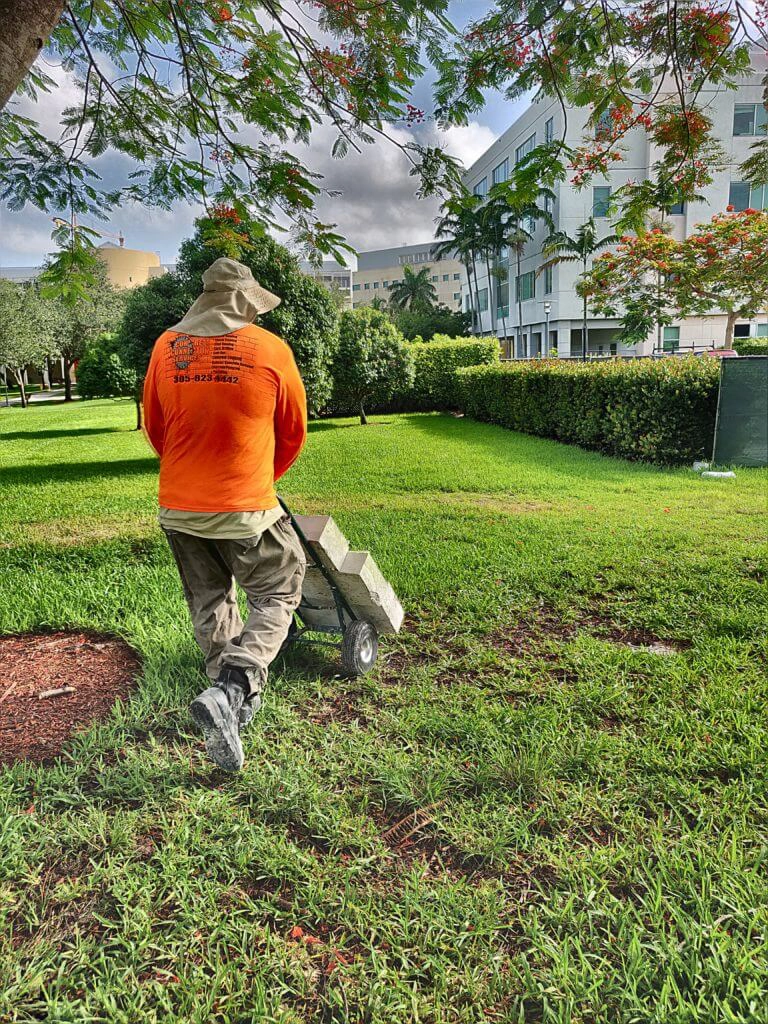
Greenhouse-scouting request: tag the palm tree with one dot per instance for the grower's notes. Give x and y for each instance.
(518, 211)
(415, 291)
(492, 231)
(459, 228)
(562, 248)
(378, 302)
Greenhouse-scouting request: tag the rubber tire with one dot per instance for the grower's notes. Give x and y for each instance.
(359, 647)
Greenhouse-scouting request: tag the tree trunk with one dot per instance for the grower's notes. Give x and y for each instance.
(730, 325)
(19, 375)
(503, 314)
(139, 424)
(24, 27)
(519, 302)
(46, 377)
(67, 380)
(491, 299)
(476, 304)
(363, 417)
(584, 340)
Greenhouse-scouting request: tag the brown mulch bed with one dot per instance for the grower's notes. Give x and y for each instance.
(94, 670)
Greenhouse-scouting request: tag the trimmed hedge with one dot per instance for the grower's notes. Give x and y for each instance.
(657, 410)
(751, 346)
(435, 364)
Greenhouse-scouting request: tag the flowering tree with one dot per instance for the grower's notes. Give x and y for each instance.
(728, 260)
(207, 97)
(652, 278)
(632, 64)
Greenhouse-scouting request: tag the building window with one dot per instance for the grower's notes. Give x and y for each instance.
(481, 188)
(502, 297)
(549, 130)
(433, 278)
(376, 284)
(525, 148)
(446, 277)
(762, 331)
(501, 172)
(456, 277)
(677, 209)
(549, 204)
(741, 331)
(614, 348)
(385, 284)
(355, 287)
(526, 286)
(671, 339)
(603, 124)
(601, 197)
(742, 197)
(367, 286)
(457, 296)
(482, 299)
(750, 119)
(548, 274)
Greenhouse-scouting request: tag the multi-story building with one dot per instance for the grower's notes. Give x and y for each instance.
(333, 275)
(378, 270)
(549, 300)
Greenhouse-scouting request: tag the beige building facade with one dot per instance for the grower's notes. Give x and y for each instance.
(379, 269)
(128, 268)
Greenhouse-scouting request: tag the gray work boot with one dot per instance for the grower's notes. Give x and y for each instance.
(216, 711)
(247, 711)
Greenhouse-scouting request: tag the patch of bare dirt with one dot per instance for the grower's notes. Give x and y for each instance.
(54, 685)
(524, 637)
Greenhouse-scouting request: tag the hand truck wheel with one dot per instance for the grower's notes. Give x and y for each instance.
(359, 647)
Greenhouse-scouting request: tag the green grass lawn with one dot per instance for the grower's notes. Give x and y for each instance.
(523, 814)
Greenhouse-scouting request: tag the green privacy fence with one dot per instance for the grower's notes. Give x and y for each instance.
(741, 427)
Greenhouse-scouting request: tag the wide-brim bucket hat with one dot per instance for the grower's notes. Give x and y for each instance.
(232, 298)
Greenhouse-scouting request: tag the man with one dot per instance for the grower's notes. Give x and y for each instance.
(225, 409)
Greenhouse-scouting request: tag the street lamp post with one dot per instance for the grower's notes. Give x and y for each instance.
(547, 311)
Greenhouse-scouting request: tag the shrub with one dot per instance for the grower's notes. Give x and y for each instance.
(655, 410)
(372, 361)
(751, 346)
(101, 372)
(426, 323)
(435, 364)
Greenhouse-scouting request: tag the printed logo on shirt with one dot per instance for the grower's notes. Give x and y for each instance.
(227, 359)
(183, 349)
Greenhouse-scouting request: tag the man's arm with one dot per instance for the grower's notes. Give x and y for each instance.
(290, 417)
(154, 421)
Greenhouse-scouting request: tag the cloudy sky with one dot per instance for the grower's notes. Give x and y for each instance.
(376, 208)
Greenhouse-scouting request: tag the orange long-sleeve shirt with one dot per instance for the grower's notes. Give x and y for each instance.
(226, 415)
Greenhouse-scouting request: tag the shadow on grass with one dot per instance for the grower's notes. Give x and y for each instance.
(68, 472)
(36, 435)
(517, 448)
(314, 426)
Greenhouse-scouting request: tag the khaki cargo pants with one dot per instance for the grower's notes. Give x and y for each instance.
(270, 569)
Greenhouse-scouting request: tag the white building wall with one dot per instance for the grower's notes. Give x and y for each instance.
(574, 206)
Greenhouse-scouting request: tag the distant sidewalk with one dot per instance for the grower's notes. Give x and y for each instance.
(54, 395)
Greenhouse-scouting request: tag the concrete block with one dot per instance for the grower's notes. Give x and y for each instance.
(369, 593)
(356, 575)
(325, 539)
